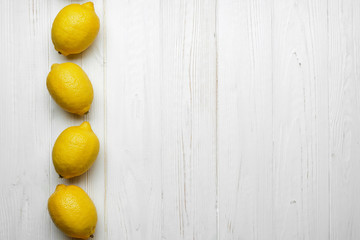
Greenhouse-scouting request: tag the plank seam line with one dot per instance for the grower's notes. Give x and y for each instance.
(216, 120)
(105, 115)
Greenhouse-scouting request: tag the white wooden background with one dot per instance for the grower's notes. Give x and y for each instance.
(218, 119)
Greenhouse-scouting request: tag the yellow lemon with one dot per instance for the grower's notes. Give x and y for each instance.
(75, 150)
(75, 28)
(72, 211)
(70, 87)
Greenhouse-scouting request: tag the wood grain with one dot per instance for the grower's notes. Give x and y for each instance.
(188, 119)
(245, 120)
(161, 120)
(273, 120)
(344, 114)
(300, 120)
(133, 195)
(25, 121)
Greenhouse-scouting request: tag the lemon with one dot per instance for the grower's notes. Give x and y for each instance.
(70, 87)
(72, 211)
(75, 28)
(75, 150)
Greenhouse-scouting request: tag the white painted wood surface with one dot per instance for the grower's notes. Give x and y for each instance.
(217, 119)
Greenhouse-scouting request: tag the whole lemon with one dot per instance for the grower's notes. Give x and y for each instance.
(70, 87)
(75, 28)
(72, 211)
(75, 150)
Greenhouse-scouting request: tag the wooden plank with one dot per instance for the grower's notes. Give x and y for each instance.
(300, 120)
(24, 122)
(161, 120)
(91, 60)
(133, 196)
(273, 120)
(245, 120)
(344, 105)
(188, 119)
